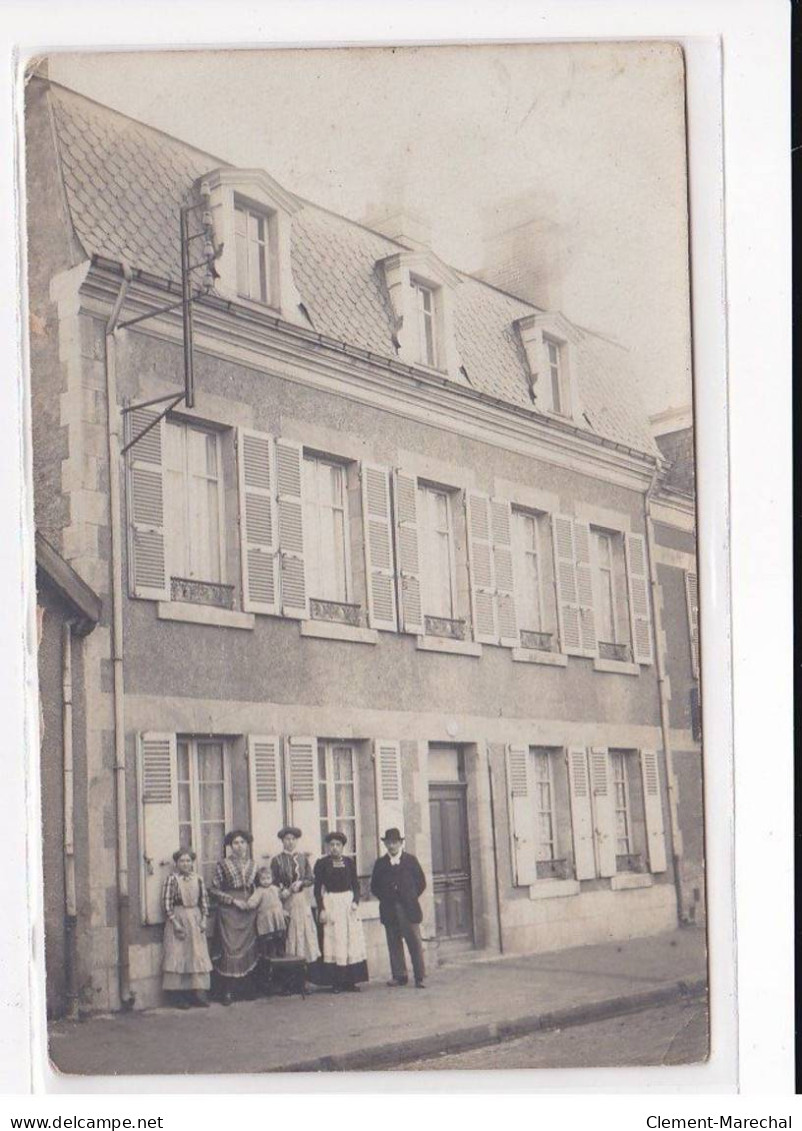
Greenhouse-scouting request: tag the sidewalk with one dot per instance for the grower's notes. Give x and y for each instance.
(467, 1004)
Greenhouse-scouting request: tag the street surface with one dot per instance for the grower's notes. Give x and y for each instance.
(670, 1034)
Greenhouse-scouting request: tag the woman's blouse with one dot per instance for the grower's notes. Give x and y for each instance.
(289, 867)
(184, 891)
(335, 875)
(233, 875)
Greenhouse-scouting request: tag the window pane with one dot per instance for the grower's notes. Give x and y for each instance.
(183, 761)
(212, 835)
(254, 271)
(212, 802)
(242, 265)
(184, 835)
(321, 761)
(210, 761)
(344, 800)
(239, 221)
(343, 763)
(184, 802)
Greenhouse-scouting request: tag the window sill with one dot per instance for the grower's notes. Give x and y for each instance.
(333, 630)
(553, 889)
(369, 910)
(618, 666)
(624, 881)
(444, 644)
(530, 656)
(205, 614)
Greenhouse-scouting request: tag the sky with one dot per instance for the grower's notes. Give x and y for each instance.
(587, 138)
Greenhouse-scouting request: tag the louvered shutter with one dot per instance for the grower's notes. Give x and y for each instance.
(264, 779)
(501, 515)
(692, 602)
(521, 798)
(480, 565)
(639, 605)
(584, 589)
(603, 810)
(303, 793)
(408, 550)
(565, 581)
(389, 790)
(378, 538)
(157, 771)
(581, 817)
(289, 482)
(653, 811)
(257, 516)
(147, 564)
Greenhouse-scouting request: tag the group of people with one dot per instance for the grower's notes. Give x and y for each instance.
(266, 913)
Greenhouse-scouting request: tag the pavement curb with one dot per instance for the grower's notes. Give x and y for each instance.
(496, 1032)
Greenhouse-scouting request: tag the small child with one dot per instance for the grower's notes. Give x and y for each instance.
(271, 927)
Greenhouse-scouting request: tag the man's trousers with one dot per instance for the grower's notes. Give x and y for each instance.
(401, 931)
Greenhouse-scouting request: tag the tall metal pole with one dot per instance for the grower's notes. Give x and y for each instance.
(186, 294)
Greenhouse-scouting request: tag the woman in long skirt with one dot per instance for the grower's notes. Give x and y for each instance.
(337, 894)
(292, 875)
(186, 964)
(237, 948)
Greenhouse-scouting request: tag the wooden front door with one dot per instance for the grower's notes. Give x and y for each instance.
(451, 862)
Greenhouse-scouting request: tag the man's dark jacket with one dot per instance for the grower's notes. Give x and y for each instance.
(400, 883)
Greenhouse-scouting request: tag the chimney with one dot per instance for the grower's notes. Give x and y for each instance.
(402, 225)
(526, 255)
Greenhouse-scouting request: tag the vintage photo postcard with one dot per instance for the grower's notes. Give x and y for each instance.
(363, 467)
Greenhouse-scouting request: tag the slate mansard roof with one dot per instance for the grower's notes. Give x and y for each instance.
(125, 182)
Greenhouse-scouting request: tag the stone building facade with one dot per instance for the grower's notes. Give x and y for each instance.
(392, 567)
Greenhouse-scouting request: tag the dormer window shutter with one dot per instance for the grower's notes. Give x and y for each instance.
(258, 526)
(568, 613)
(408, 550)
(147, 560)
(289, 479)
(378, 542)
(639, 604)
(480, 565)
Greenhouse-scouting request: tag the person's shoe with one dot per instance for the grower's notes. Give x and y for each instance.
(335, 989)
(226, 999)
(182, 1003)
(420, 985)
(398, 981)
(201, 1000)
(354, 989)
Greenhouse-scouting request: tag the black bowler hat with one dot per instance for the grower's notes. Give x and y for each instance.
(393, 835)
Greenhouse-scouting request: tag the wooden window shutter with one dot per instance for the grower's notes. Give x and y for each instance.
(289, 481)
(257, 517)
(303, 792)
(639, 604)
(408, 550)
(265, 793)
(565, 580)
(389, 789)
(480, 567)
(653, 811)
(147, 558)
(603, 810)
(692, 602)
(157, 774)
(521, 799)
(581, 816)
(584, 589)
(501, 514)
(378, 540)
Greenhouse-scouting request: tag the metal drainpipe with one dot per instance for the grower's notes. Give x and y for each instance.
(662, 685)
(70, 902)
(123, 907)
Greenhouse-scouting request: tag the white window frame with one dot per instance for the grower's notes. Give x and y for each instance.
(316, 457)
(193, 742)
(420, 290)
(248, 209)
(221, 515)
(534, 753)
(424, 485)
(536, 518)
(598, 571)
(557, 371)
(330, 817)
(617, 757)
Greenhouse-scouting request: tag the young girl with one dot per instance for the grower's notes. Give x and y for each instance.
(271, 926)
(186, 964)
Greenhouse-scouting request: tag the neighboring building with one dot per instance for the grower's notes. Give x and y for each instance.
(674, 522)
(67, 611)
(391, 569)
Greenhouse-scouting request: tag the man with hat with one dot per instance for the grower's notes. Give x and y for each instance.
(398, 882)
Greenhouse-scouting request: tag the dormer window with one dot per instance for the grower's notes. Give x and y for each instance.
(550, 345)
(557, 383)
(253, 253)
(425, 317)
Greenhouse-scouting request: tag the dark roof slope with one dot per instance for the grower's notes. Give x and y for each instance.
(125, 182)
